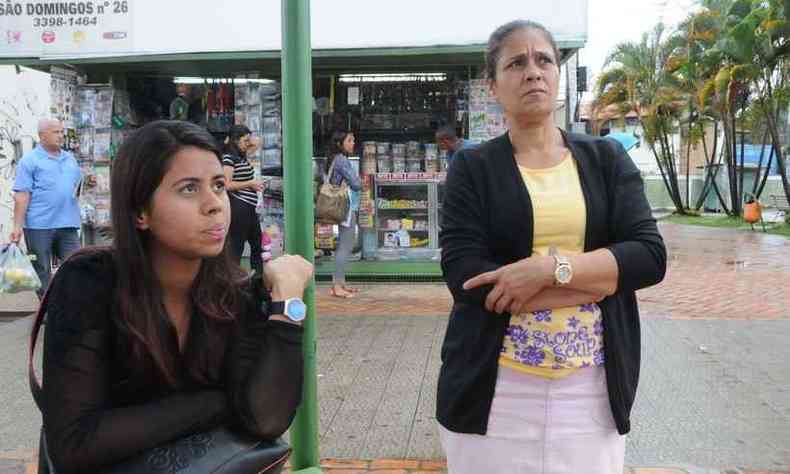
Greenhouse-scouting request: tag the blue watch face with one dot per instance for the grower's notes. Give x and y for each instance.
(296, 310)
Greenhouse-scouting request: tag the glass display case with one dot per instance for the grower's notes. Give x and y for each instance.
(407, 215)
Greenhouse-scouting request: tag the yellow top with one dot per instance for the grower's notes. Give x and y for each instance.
(555, 342)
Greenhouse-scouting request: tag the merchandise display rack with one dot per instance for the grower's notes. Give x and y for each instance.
(407, 230)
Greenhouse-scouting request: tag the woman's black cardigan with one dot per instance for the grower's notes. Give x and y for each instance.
(487, 222)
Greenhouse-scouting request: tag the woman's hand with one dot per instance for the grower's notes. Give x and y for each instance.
(515, 284)
(253, 143)
(256, 185)
(287, 276)
(555, 297)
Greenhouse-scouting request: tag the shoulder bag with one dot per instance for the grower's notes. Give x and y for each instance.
(332, 203)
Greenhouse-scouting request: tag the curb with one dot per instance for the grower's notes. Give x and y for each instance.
(25, 462)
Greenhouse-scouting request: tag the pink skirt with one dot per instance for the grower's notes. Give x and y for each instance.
(542, 426)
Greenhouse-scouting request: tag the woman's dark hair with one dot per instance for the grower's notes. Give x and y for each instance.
(234, 135)
(142, 162)
(336, 146)
(501, 34)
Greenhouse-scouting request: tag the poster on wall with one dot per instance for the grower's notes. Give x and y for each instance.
(101, 145)
(51, 27)
(366, 203)
(63, 84)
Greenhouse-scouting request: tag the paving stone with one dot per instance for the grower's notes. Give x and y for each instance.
(658, 470)
(714, 386)
(394, 464)
(11, 467)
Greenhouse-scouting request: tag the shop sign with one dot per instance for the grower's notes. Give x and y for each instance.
(65, 27)
(409, 177)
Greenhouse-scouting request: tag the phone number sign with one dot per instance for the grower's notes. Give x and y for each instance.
(50, 27)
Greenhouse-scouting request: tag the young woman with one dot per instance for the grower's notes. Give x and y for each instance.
(545, 238)
(243, 190)
(160, 335)
(342, 145)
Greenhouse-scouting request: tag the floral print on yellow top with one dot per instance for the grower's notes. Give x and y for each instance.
(555, 342)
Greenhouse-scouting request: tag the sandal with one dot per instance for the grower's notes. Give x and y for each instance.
(351, 289)
(337, 294)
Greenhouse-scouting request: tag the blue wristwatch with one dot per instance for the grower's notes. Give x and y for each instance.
(293, 308)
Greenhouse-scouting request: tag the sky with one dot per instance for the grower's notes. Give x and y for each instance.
(615, 21)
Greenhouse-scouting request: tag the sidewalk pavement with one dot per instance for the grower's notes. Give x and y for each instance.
(714, 395)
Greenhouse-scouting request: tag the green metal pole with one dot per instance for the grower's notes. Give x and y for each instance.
(298, 173)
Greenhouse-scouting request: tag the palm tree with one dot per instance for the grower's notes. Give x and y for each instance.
(694, 75)
(771, 52)
(637, 78)
(752, 50)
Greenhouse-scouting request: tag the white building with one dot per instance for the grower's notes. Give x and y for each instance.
(24, 99)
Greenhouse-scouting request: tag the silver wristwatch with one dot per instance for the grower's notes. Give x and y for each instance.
(563, 271)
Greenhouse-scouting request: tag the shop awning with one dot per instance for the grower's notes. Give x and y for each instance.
(267, 63)
(217, 39)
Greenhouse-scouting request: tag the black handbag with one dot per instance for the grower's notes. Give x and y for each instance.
(219, 451)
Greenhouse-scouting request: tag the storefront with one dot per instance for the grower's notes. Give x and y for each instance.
(418, 70)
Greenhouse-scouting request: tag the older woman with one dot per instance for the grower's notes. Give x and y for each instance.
(545, 238)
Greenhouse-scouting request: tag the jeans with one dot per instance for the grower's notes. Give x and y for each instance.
(44, 243)
(345, 243)
(245, 226)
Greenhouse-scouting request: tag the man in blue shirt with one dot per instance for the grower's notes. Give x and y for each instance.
(45, 200)
(446, 139)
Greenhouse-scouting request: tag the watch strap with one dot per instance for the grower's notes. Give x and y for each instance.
(277, 307)
(556, 267)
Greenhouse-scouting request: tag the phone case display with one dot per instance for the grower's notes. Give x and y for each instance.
(93, 121)
(486, 119)
(219, 105)
(407, 215)
(258, 106)
(63, 83)
(101, 146)
(101, 174)
(271, 124)
(274, 227)
(102, 206)
(272, 214)
(123, 121)
(403, 104)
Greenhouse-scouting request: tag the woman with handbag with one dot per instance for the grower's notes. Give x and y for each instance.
(545, 237)
(340, 171)
(161, 336)
(243, 191)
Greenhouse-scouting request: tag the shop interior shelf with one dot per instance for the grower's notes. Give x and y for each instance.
(403, 208)
(385, 229)
(403, 183)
